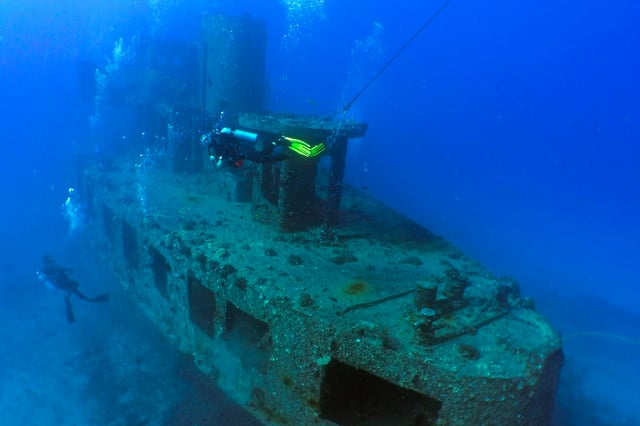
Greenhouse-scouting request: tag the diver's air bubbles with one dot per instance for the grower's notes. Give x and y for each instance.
(107, 78)
(366, 56)
(148, 161)
(73, 211)
(301, 15)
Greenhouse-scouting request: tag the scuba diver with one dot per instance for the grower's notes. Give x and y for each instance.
(56, 277)
(233, 146)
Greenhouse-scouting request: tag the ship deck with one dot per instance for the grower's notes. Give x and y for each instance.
(322, 325)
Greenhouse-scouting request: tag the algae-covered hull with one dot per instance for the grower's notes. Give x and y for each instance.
(372, 320)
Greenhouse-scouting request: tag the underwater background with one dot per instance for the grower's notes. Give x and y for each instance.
(511, 129)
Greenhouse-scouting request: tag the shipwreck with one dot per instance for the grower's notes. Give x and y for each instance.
(306, 300)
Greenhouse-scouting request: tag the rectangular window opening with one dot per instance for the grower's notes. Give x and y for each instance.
(160, 269)
(130, 245)
(351, 396)
(202, 305)
(248, 338)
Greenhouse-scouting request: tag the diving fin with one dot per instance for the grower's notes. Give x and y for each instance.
(101, 298)
(304, 148)
(67, 303)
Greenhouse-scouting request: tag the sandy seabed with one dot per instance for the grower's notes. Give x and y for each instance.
(111, 367)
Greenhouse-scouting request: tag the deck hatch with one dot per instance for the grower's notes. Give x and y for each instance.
(351, 396)
(202, 305)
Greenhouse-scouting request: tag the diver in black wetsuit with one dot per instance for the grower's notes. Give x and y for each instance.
(231, 147)
(57, 277)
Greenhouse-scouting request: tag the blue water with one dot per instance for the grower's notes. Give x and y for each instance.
(510, 128)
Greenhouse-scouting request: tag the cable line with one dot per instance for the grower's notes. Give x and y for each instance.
(381, 71)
